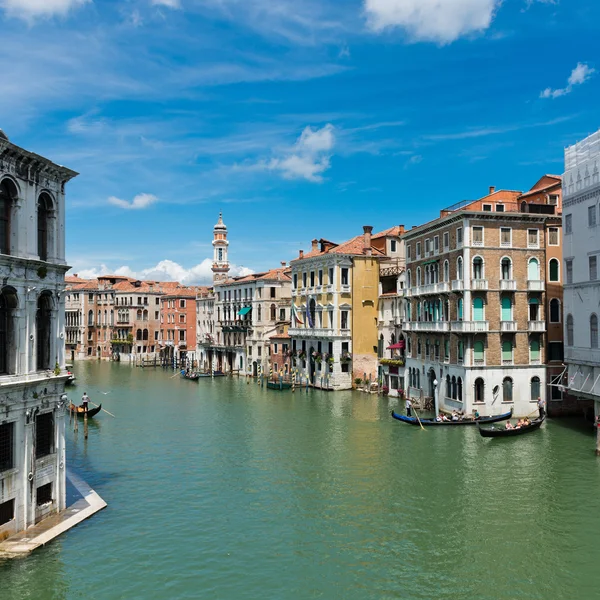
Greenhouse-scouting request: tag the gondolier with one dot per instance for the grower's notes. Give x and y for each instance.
(84, 401)
(541, 408)
(408, 404)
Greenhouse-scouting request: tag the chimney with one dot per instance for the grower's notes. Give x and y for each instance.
(492, 189)
(301, 255)
(283, 264)
(367, 240)
(315, 245)
(401, 229)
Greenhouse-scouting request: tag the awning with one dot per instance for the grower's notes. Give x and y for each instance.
(430, 262)
(397, 346)
(244, 311)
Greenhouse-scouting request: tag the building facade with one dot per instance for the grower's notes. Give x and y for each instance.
(581, 224)
(335, 293)
(178, 326)
(32, 332)
(475, 304)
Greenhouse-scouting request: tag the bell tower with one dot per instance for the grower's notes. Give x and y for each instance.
(220, 266)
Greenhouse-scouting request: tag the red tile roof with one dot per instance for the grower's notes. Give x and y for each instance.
(354, 246)
(392, 231)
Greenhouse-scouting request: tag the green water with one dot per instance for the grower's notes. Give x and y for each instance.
(223, 490)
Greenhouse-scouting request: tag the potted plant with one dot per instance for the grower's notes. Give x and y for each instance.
(385, 390)
(346, 357)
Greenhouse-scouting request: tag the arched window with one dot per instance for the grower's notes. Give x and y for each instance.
(507, 390)
(533, 269)
(554, 269)
(408, 279)
(459, 268)
(478, 352)
(43, 224)
(8, 194)
(274, 311)
(43, 326)
(506, 268)
(524, 207)
(478, 267)
(570, 330)
(477, 309)
(555, 310)
(90, 317)
(138, 335)
(459, 391)
(594, 331)
(145, 315)
(454, 397)
(535, 388)
(506, 308)
(459, 309)
(145, 335)
(448, 387)
(259, 313)
(446, 271)
(418, 276)
(479, 390)
(8, 302)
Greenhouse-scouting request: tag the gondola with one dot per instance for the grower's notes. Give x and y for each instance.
(434, 423)
(191, 376)
(71, 379)
(493, 432)
(79, 411)
(279, 385)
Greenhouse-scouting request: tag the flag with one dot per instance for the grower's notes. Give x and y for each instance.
(295, 318)
(309, 315)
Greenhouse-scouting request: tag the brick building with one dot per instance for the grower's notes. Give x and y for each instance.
(476, 301)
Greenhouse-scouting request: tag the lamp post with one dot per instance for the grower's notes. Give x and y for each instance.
(435, 397)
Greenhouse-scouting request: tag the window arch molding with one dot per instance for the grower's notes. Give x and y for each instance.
(45, 218)
(554, 270)
(506, 268)
(570, 330)
(478, 267)
(9, 194)
(459, 268)
(594, 330)
(507, 389)
(555, 310)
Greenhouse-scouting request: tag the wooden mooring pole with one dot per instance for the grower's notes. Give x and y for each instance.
(85, 425)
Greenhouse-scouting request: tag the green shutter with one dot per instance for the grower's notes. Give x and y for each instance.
(506, 309)
(478, 350)
(506, 350)
(478, 309)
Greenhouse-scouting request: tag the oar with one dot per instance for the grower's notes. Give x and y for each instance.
(419, 420)
(102, 409)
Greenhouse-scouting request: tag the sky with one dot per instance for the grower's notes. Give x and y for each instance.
(298, 119)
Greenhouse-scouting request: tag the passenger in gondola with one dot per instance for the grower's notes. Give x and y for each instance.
(454, 415)
(439, 419)
(509, 425)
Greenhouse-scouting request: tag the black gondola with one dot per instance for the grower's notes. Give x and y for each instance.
(191, 376)
(493, 432)
(434, 423)
(80, 411)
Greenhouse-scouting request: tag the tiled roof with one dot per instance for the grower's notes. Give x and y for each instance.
(353, 246)
(392, 231)
(280, 274)
(539, 186)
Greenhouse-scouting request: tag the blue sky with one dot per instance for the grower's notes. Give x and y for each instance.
(296, 118)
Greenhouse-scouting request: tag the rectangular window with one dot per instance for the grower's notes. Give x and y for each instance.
(182, 318)
(408, 253)
(44, 435)
(7, 511)
(182, 335)
(418, 250)
(592, 216)
(505, 237)
(459, 237)
(273, 291)
(303, 280)
(312, 279)
(553, 236)
(6, 446)
(182, 303)
(446, 240)
(320, 276)
(259, 351)
(44, 494)
(156, 313)
(156, 336)
(295, 281)
(477, 236)
(344, 324)
(593, 268)
(569, 270)
(275, 349)
(436, 244)
(499, 207)
(555, 351)
(330, 281)
(344, 276)
(533, 238)
(393, 246)
(460, 351)
(568, 224)
(487, 208)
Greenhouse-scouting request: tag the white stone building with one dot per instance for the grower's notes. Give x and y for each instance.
(581, 250)
(32, 330)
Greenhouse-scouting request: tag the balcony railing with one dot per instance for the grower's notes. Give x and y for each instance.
(426, 326)
(479, 362)
(508, 326)
(535, 285)
(308, 332)
(508, 285)
(470, 326)
(479, 284)
(433, 288)
(345, 288)
(507, 362)
(458, 285)
(537, 326)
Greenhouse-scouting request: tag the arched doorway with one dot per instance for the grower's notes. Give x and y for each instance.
(430, 380)
(254, 369)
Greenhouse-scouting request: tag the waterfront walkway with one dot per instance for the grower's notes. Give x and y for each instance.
(25, 542)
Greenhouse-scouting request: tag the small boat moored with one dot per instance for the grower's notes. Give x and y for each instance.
(434, 423)
(499, 432)
(71, 379)
(80, 412)
(190, 376)
(279, 385)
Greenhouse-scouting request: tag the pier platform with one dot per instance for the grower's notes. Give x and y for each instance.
(45, 531)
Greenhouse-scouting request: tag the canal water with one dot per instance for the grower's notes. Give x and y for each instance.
(223, 490)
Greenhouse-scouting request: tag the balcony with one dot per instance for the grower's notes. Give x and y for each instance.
(479, 284)
(470, 326)
(508, 326)
(458, 285)
(508, 285)
(307, 332)
(426, 326)
(535, 286)
(585, 356)
(328, 288)
(434, 288)
(537, 326)
(345, 288)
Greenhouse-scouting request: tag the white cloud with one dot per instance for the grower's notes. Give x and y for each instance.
(140, 202)
(165, 270)
(580, 74)
(308, 158)
(29, 9)
(441, 21)
(168, 3)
